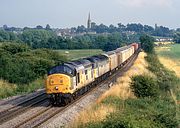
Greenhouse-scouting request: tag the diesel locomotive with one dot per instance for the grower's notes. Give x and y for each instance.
(67, 81)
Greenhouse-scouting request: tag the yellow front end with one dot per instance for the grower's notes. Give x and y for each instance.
(58, 83)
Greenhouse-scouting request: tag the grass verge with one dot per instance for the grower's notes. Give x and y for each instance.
(7, 89)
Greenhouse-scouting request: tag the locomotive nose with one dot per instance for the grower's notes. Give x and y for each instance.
(58, 83)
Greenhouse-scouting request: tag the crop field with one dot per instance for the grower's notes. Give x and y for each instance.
(169, 56)
(76, 54)
(173, 51)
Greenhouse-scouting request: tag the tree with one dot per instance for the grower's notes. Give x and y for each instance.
(134, 27)
(37, 38)
(102, 28)
(48, 27)
(14, 48)
(147, 43)
(162, 31)
(39, 27)
(5, 27)
(4, 36)
(112, 28)
(81, 29)
(23, 65)
(121, 27)
(148, 28)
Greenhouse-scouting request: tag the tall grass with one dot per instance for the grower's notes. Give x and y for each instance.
(8, 89)
(93, 114)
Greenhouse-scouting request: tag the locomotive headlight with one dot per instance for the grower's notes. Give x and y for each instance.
(56, 88)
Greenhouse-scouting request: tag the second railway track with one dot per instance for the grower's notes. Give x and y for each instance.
(21, 107)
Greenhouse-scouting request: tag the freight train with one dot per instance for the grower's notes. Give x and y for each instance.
(69, 80)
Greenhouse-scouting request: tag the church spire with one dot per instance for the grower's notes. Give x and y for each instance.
(89, 21)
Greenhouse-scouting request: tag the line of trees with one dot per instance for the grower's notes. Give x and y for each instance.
(107, 36)
(40, 38)
(133, 27)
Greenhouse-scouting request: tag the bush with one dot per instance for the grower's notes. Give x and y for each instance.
(21, 65)
(167, 119)
(144, 86)
(18, 71)
(14, 48)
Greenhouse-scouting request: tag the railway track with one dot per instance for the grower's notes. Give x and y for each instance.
(21, 107)
(49, 112)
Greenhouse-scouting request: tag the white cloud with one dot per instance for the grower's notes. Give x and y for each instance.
(145, 3)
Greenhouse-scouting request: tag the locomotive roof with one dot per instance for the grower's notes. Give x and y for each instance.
(83, 62)
(74, 65)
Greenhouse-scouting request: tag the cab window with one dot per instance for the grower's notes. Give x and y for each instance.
(61, 69)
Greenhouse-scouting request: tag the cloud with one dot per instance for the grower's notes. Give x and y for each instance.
(145, 3)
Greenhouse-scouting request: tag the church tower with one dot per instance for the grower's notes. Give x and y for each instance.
(89, 21)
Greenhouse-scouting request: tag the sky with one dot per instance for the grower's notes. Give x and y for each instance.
(71, 13)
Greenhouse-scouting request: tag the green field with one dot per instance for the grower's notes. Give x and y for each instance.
(172, 52)
(76, 54)
(169, 56)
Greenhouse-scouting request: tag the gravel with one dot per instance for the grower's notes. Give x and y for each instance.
(25, 116)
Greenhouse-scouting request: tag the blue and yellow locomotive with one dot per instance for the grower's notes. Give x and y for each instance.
(67, 81)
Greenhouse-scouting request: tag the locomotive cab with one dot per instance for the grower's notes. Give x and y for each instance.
(61, 82)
